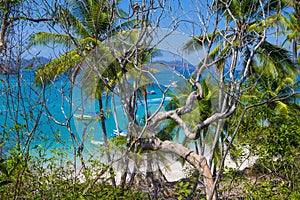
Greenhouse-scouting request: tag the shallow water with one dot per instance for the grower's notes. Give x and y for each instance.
(54, 108)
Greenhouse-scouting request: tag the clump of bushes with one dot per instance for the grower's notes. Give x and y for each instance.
(45, 178)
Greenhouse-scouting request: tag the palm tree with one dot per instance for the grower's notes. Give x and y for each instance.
(245, 22)
(116, 72)
(86, 26)
(171, 130)
(291, 28)
(271, 130)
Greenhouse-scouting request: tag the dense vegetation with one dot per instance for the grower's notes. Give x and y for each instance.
(240, 102)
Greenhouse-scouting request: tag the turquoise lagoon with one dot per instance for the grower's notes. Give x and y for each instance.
(25, 111)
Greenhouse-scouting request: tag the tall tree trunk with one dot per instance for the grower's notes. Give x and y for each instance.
(5, 25)
(220, 122)
(102, 118)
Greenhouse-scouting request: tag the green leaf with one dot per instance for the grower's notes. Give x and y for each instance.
(3, 183)
(46, 38)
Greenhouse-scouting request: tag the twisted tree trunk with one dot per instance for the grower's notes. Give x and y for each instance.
(198, 161)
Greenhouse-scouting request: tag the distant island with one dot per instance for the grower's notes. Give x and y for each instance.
(13, 67)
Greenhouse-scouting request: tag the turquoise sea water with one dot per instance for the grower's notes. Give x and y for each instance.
(48, 114)
(25, 111)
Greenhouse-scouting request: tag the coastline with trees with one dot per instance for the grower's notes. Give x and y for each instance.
(240, 100)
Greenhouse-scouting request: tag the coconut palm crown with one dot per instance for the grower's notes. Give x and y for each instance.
(246, 20)
(86, 24)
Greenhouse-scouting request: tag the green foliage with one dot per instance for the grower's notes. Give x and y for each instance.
(9, 6)
(44, 178)
(168, 131)
(88, 21)
(270, 190)
(203, 108)
(4, 174)
(272, 133)
(182, 190)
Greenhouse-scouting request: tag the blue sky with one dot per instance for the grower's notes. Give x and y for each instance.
(174, 11)
(184, 13)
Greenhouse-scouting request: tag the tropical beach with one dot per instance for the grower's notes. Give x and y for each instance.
(113, 99)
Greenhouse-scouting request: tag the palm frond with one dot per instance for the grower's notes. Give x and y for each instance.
(121, 13)
(124, 26)
(293, 107)
(222, 7)
(273, 6)
(46, 38)
(51, 70)
(284, 22)
(202, 40)
(168, 131)
(259, 25)
(70, 21)
(282, 107)
(218, 54)
(278, 57)
(289, 88)
(269, 8)
(90, 42)
(286, 81)
(93, 14)
(215, 52)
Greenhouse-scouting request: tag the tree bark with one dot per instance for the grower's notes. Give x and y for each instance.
(198, 161)
(102, 119)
